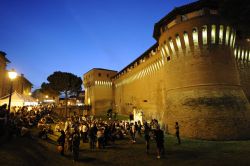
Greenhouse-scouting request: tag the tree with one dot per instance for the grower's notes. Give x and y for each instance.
(47, 89)
(64, 83)
(237, 12)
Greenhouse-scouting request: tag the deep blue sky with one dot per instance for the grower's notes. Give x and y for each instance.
(43, 36)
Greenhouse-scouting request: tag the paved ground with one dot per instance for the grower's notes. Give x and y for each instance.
(30, 152)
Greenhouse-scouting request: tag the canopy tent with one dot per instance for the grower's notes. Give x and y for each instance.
(18, 100)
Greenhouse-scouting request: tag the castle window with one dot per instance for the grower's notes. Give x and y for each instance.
(231, 38)
(108, 75)
(168, 58)
(221, 34)
(245, 57)
(213, 34)
(249, 55)
(171, 45)
(227, 35)
(195, 37)
(166, 48)
(178, 42)
(184, 18)
(186, 40)
(235, 53)
(204, 35)
(238, 55)
(234, 39)
(99, 74)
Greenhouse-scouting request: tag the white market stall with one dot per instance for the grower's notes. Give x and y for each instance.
(18, 100)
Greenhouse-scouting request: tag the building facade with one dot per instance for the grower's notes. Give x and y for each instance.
(197, 74)
(99, 90)
(21, 84)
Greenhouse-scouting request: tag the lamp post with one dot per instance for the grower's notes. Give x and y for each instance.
(12, 75)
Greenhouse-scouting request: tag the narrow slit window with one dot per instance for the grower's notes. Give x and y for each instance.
(186, 40)
(227, 35)
(234, 39)
(166, 48)
(204, 35)
(221, 34)
(238, 55)
(235, 53)
(195, 37)
(171, 45)
(178, 42)
(231, 38)
(213, 34)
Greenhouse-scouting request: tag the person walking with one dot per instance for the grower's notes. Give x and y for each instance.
(177, 132)
(75, 144)
(61, 142)
(147, 136)
(159, 138)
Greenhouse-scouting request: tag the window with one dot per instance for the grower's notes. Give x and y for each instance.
(184, 18)
(227, 35)
(238, 55)
(231, 38)
(99, 74)
(204, 35)
(171, 45)
(195, 37)
(178, 42)
(213, 34)
(235, 53)
(221, 34)
(108, 75)
(166, 48)
(186, 40)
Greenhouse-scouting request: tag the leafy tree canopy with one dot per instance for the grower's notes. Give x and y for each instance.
(63, 82)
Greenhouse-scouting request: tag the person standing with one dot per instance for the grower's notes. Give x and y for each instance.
(177, 132)
(61, 142)
(146, 135)
(159, 138)
(75, 144)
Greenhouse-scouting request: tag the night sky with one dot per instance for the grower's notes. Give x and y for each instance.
(43, 36)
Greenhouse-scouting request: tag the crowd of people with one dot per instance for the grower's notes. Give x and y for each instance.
(19, 120)
(97, 133)
(102, 133)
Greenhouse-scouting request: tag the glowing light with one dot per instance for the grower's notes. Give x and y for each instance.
(178, 42)
(227, 35)
(12, 74)
(221, 34)
(204, 35)
(195, 37)
(186, 40)
(213, 34)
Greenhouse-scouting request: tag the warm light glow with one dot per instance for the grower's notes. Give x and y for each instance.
(186, 40)
(204, 35)
(29, 94)
(227, 35)
(195, 36)
(178, 42)
(213, 34)
(12, 74)
(172, 45)
(46, 96)
(221, 34)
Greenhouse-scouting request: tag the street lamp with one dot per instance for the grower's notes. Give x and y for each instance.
(12, 75)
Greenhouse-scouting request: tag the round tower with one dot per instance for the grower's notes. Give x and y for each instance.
(203, 90)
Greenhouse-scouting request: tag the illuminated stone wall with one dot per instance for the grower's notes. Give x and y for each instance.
(191, 77)
(99, 90)
(195, 75)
